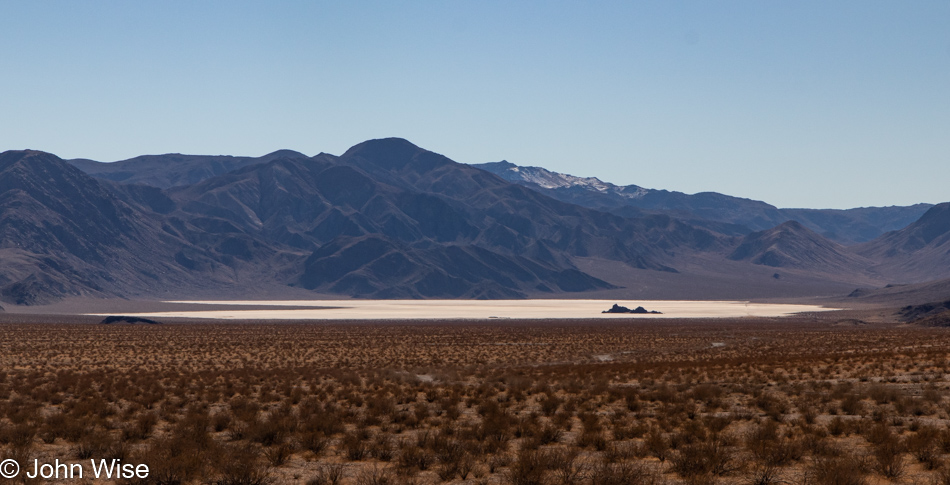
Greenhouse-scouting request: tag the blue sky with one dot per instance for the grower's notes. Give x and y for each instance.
(801, 104)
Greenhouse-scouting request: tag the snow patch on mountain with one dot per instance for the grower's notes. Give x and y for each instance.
(547, 179)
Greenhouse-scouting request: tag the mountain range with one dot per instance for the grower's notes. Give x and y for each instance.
(388, 219)
(737, 215)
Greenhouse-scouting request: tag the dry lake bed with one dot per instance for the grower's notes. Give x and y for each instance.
(474, 309)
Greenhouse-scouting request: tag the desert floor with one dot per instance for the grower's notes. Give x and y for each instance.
(821, 398)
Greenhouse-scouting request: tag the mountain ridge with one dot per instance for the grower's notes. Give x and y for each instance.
(923, 247)
(792, 245)
(186, 169)
(389, 219)
(845, 226)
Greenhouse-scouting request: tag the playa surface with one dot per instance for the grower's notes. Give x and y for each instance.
(468, 309)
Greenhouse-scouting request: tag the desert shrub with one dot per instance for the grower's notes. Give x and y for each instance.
(141, 428)
(99, 444)
(771, 449)
(889, 458)
(242, 465)
(923, 445)
(562, 420)
(592, 439)
(461, 467)
(707, 393)
(353, 446)
(772, 405)
(708, 458)
(278, 454)
(18, 435)
(376, 475)
(692, 432)
(548, 434)
(942, 477)
(54, 426)
(765, 474)
(618, 451)
(412, 457)
(314, 441)
(381, 447)
(626, 431)
(270, 431)
(529, 468)
(328, 423)
(193, 428)
(550, 404)
(843, 470)
(878, 433)
(852, 404)
(328, 474)
(943, 440)
(882, 394)
(838, 426)
(451, 456)
(498, 461)
(566, 469)
(172, 461)
(221, 421)
(658, 445)
(623, 474)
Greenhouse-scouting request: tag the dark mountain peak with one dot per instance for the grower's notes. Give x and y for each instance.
(35, 165)
(23, 153)
(283, 154)
(495, 166)
(922, 248)
(933, 224)
(11, 157)
(791, 227)
(788, 231)
(394, 155)
(41, 178)
(383, 150)
(792, 245)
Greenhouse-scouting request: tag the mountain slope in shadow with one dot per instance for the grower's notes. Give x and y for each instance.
(792, 245)
(919, 252)
(65, 233)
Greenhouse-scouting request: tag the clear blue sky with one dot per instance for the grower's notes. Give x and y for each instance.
(801, 104)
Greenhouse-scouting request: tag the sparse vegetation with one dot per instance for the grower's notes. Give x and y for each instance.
(782, 401)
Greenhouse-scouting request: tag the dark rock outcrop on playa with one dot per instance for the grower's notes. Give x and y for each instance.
(622, 309)
(126, 319)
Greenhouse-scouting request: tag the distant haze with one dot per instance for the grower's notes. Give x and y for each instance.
(800, 104)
